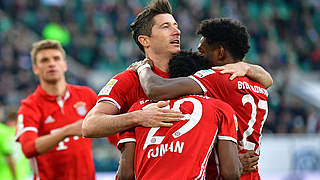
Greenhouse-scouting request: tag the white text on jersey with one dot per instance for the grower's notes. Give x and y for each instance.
(175, 147)
(256, 89)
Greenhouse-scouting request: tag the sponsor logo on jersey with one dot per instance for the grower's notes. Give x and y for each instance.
(108, 87)
(204, 73)
(49, 120)
(80, 108)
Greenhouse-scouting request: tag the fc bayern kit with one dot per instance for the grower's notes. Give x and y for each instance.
(41, 114)
(248, 99)
(181, 151)
(124, 90)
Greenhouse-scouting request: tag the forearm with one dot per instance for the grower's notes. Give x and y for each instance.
(11, 166)
(260, 75)
(97, 124)
(126, 164)
(45, 143)
(230, 165)
(158, 88)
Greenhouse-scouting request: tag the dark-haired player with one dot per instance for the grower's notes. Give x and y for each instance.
(182, 151)
(224, 41)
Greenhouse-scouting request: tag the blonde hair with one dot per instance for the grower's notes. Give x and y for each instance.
(45, 44)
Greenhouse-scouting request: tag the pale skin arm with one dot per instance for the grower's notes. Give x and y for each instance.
(255, 72)
(11, 166)
(126, 164)
(45, 143)
(230, 165)
(103, 121)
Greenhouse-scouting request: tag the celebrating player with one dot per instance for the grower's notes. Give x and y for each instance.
(224, 41)
(50, 119)
(182, 151)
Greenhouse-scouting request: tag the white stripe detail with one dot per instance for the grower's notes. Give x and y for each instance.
(228, 138)
(34, 167)
(121, 141)
(24, 130)
(205, 91)
(202, 174)
(110, 99)
(217, 163)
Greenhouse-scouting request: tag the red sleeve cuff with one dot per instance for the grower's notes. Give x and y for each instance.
(28, 145)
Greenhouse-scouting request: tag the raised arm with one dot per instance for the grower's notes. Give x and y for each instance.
(103, 119)
(158, 88)
(255, 72)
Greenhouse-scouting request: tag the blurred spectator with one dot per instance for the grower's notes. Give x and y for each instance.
(13, 164)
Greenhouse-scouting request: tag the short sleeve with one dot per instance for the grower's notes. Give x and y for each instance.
(125, 137)
(119, 89)
(28, 119)
(227, 123)
(213, 83)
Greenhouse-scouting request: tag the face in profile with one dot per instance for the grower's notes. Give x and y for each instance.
(50, 65)
(165, 36)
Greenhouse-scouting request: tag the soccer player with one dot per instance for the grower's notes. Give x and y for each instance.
(50, 119)
(156, 33)
(7, 165)
(224, 41)
(182, 151)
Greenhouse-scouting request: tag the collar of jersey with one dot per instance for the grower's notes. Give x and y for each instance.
(44, 94)
(160, 73)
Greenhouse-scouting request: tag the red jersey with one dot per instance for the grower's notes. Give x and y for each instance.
(182, 151)
(124, 90)
(41, 114)
(248, 99)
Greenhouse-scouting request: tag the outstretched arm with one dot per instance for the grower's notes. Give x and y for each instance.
(103, 121)
(158, 88)
(255, 72)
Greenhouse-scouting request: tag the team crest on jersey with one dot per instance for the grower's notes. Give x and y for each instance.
(80, 108)
(204, 73)
(108, 87)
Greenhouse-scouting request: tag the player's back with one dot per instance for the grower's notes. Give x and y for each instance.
(182, 151)
(246, 97)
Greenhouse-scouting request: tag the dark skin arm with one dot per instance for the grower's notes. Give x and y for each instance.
(230, 165)
(126, 164)
(157, 88)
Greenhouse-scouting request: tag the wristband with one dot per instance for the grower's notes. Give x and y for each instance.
(143, 67)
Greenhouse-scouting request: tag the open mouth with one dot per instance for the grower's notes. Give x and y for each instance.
(175, 42)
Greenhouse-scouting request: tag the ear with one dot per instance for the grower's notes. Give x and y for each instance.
(66, 65)
(144, 40)
(221, 52)
(35, 69)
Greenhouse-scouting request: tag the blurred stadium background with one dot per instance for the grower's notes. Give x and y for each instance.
(95, 33)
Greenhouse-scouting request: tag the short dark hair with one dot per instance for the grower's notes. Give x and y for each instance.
(186, 63)
(143, 23)
(232, 35)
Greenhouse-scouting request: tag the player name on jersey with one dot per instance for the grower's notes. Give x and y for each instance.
(244, 85)
(175, 147)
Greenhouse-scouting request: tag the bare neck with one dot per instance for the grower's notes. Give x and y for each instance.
(160, 61)
(54, 88)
